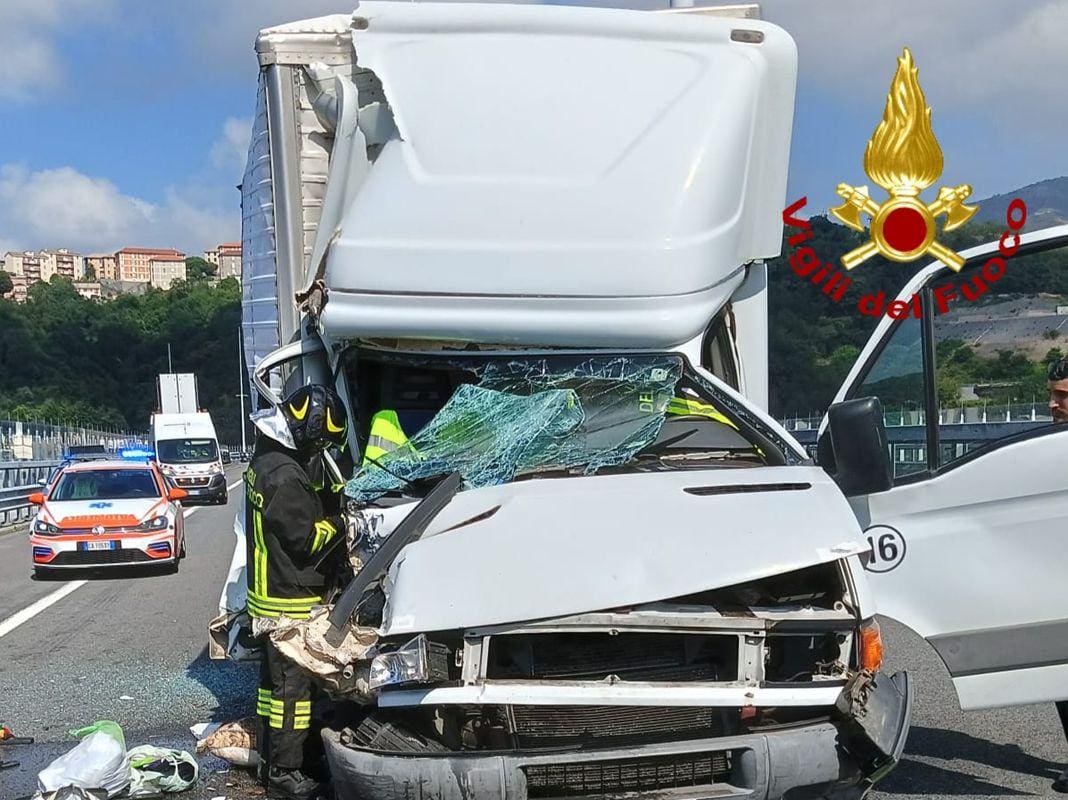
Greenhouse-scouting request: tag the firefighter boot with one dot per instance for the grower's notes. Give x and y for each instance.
(291, 784)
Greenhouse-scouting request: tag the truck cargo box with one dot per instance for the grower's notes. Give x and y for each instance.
(515, 174)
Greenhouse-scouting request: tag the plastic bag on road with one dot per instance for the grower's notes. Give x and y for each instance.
(98, 761)
(156, 769)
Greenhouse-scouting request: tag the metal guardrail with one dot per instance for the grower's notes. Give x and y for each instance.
(19, 479)
(989, 414)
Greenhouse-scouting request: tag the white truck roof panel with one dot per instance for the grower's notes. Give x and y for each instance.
(562, 175)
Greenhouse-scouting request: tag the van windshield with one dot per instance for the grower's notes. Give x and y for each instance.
(186, 451)
(497, 419)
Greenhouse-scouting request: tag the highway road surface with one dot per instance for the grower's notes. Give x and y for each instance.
(132, 649)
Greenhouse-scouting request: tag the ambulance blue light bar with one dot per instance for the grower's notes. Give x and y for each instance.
(137, 454)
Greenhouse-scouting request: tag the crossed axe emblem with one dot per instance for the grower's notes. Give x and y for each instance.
(903, 227)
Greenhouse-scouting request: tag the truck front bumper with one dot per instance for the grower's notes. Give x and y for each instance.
(214, 492)
(836, 758)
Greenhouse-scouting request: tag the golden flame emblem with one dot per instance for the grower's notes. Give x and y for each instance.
(904, 158)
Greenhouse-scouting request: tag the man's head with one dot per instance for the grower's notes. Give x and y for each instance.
(316, 418)
(1058, 390)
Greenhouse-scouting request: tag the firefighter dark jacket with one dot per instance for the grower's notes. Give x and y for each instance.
(285, 532)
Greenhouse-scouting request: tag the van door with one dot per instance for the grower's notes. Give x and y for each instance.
(970, 545)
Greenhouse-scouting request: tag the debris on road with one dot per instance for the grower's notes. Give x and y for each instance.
(98, 761)
(7, 736)
(305, 643)
(72, 793)
(157, 770)
(234, 742)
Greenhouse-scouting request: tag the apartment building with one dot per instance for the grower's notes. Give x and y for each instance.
(62, 262)
(165, 270)
(229, 260)
(135, 263)
(104, 266)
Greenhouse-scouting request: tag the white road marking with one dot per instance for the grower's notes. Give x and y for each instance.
(31, 611)
(235, 484)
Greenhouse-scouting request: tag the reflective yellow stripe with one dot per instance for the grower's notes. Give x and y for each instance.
(302, 707)
(324, 532)
(261, 554)
(301, 723)
(282, 603)
(275, 722)
(295, 607)
(386, 435)
(680, 406)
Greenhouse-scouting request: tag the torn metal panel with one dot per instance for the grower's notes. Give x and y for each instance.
(605, 542)
(335, 666)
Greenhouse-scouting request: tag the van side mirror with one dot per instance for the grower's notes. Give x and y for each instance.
(174, 493)
(853, 449)
(37, 498)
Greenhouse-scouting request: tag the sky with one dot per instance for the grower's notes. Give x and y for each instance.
(125, 123)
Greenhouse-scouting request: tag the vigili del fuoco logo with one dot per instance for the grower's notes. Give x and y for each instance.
(904, 158)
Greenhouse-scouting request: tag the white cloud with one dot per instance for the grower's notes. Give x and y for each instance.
(229, 150)
(66, 208)
(996, 62)
(33, 64)
(63, 207)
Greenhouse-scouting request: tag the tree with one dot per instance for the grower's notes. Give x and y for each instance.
(5, 283)
(199, 269)
(65, 357)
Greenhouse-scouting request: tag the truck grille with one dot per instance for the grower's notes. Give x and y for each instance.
(600, 778)
(193, 481)
(629, 656)
(558, 726)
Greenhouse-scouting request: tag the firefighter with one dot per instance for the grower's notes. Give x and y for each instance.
(287, 530)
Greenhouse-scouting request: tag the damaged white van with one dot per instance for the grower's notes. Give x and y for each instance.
(534, 237)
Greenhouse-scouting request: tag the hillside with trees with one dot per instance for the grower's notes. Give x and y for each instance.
(813, 341)
(67, 359)
(70, 360)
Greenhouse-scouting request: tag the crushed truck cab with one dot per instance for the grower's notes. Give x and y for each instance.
(536, 236)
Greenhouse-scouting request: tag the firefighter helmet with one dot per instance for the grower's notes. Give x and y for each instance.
(316, 418)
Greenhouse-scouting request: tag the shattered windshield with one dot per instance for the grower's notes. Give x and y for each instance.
(500, 419)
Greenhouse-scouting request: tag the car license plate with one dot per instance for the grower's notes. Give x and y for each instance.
(98, 545)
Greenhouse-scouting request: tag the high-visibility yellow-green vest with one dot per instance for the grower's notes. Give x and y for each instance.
(386, 436)
(682, 406)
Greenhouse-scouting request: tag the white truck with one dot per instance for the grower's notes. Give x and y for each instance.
(185, 442)
(537, 234)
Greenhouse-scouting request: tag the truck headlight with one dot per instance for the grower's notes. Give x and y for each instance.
(45, 529)
(418, 661)
(166, 469)
(216, 469)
